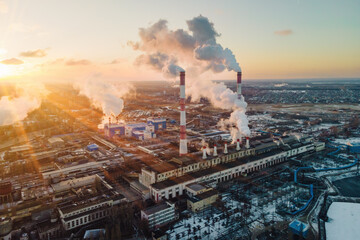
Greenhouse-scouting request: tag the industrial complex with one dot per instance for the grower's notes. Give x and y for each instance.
(172, 173)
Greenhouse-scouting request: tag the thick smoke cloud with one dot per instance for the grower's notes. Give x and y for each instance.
(195, 47)
(16, 107)
(196, 50)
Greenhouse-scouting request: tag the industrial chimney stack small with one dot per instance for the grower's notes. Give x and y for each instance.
(238, 145)
(247, 145)
(204, 152)
(215, 151)
(239, 85)
(225, 149)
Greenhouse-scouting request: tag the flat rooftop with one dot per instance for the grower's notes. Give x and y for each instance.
(156, 208)
(208, 171)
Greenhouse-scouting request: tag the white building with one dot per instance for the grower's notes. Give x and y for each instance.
(159, 215)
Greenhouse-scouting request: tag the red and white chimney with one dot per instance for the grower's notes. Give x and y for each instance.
(238, 84)
(183, 143)
(238, 145)
(247, 145)
(204, 153)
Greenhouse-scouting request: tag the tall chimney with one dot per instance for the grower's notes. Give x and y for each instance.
(238, 145)
(239, 85)
(247, 145)
(204, 152)
(109, 121)
(183, 143)
(215, 151)
(225, 149)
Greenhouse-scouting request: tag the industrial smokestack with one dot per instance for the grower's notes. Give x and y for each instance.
(215, 151)
(247, 145)
(239, 85)
(109, 121)
(183, 143)
(204, 152)
(225, 149)
(238, 145)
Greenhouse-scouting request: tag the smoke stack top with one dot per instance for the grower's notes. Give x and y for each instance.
(239, 77)
(182, 78)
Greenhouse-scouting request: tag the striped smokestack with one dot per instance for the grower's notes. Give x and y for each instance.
(239, 85)
(183, 143)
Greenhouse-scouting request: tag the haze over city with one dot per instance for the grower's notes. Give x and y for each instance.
(179, 120)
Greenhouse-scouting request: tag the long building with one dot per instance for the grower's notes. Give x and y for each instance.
(169, 179)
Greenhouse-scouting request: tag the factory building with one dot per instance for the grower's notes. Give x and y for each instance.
(140, 131)
(159, 123)
(112, 129)
(91, 200)
(92, 147)
(200, 196)
(56, 142)
(159, 215)
(169, 179)
(180, 166)
(5, 192)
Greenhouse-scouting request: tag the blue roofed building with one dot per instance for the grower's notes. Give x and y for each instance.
(159, 123)
(92, 147)
(299, 228)
(114, 129)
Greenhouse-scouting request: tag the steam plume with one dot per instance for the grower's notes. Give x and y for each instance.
(27, 98)
(104, 95)
(197, 50)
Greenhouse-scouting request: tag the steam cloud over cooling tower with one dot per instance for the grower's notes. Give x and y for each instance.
(15, 108)
(197, 50)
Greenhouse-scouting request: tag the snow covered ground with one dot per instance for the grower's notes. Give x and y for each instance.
(344, 221)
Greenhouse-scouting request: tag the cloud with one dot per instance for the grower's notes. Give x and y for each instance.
(3, 7)
(117, 61)
(34, 53)
(74, 62)
(285, 32)
(12, 61)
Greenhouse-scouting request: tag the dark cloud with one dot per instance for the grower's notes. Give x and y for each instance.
(74, 62)
(285, 32)
(34, 53)
(203, 30)
(12, 61)
(156, 60)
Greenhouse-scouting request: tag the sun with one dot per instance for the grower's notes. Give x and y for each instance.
(10, 70)
(5, 71)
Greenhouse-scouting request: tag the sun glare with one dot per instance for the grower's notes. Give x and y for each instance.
(9, 71)
(5, 71)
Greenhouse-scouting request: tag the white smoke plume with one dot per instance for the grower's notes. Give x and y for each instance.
(104, 95)
(27, 97)
(197, 50)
